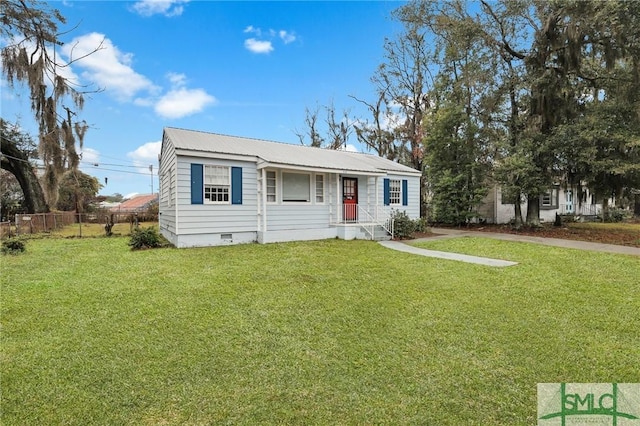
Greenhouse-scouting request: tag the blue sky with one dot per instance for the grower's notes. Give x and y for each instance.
(232, 67)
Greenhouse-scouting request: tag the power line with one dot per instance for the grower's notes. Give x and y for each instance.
(101, 168)
(124, 171)
(96, 163)
(15, 158)
(114, 158)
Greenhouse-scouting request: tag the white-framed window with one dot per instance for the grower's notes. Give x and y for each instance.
(319, 188)
(549, 199)
(395, 191)
(271, 187)
(296, 187)
(216, 184)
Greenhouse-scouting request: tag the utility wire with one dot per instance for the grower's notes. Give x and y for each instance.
(124, 171)
(15, 158)
(101, 168)
(86, 161)
(97, 163)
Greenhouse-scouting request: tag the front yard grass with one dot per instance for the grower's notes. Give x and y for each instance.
(328, 332)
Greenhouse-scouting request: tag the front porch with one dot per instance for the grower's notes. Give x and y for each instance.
(371, 222)
(299, 203)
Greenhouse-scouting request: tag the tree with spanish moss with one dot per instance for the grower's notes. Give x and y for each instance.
(30, 30)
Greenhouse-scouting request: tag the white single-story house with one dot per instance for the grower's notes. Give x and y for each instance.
(217, 189)
(574, 201)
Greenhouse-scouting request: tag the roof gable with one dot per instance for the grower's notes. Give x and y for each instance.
(282, 154)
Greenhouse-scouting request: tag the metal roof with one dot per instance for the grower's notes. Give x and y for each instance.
(137, 203)
(282, 154)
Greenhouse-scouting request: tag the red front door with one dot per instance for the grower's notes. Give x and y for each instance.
(350, 199)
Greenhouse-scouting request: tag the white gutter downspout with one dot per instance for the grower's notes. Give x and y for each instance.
(264, 204)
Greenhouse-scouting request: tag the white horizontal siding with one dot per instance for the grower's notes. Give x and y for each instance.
(210, 240)
(302, 216)
(167, 210)
(216, 218)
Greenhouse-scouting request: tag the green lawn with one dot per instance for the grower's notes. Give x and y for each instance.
(330, 332)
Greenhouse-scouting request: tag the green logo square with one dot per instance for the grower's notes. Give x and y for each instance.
(606, 404)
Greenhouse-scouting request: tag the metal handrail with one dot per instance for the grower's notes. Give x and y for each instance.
(357, 214)
(387, 223)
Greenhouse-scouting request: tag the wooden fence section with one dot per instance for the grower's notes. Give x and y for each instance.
(43, 222)
(5, 229)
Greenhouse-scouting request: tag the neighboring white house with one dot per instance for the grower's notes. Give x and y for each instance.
(217, 189)
(563, 201)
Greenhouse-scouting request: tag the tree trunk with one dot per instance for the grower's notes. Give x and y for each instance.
(636, 205)
(17, 164)
(605, 209)
(533, 211)
(518, 213)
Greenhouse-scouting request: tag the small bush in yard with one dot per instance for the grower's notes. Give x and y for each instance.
(143, 238)
(13, 246)
(403, 225)
(422, 225)
(616, 215)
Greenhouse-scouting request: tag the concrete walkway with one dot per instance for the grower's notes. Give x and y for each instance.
(556, 242)
(396, 245)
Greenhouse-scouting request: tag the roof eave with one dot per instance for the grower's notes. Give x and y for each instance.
(262, 164)
(218, 155)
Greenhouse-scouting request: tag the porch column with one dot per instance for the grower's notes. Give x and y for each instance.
(377, 197)
(339, 209)
(371, 207)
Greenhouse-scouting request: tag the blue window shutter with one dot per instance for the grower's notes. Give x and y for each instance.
(405, 193)
(236, 185)
(387, 193)
(197, 187)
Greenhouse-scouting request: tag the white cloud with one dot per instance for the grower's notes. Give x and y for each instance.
(180, 102)
(287, 37)
(350, 148)
(107, 67)
(177, 79)
(258, 46)
(111, 69)
(147, 153)
(160, 7)
(90, 155)
(263, 40)
(253, 30)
